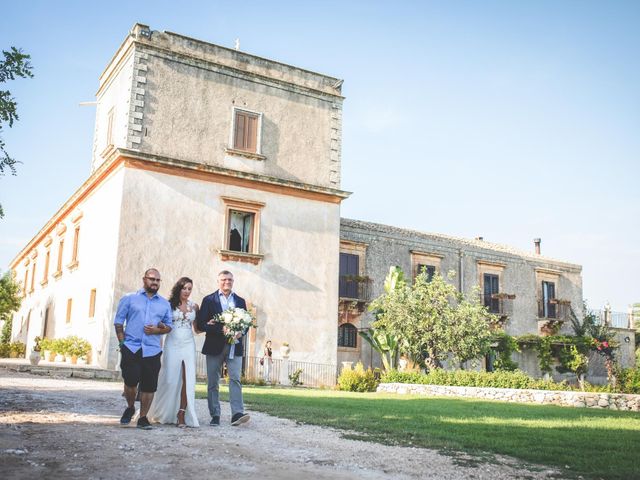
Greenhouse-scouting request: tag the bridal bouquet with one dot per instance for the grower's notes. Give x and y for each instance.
(237, 320)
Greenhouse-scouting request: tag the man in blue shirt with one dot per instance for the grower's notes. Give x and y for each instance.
(141, 319)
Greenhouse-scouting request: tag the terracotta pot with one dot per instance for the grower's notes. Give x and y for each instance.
(74, 359)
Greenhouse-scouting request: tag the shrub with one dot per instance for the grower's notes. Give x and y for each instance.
(76, 346)
(629, 380)
(294, 378)
(5, 350)
(46, 344)
(358, 379)
(18, 348)
(60, 346)
(471, 378)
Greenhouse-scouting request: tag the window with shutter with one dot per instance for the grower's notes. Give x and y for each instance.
(491, 287)
(245, 133)
(548, 294)
(349, 269)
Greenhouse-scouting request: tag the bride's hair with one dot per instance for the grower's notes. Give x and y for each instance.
(174, 299)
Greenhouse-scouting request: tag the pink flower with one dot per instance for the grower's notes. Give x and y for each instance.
(605, 344)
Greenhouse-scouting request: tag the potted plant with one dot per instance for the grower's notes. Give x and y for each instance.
(45, 348)
(59, 349)
(550, 327)
(34, 358)
(285, 350)
(77, 347)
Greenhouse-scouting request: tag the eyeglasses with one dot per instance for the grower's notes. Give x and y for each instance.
(151, 279)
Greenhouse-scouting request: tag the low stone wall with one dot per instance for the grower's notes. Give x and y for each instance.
(60, 370)
(612, 401)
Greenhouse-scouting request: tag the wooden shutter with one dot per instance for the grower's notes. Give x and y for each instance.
(349, 267)
(252, 133)
(491, 286)
(548, 294)
(246, 132)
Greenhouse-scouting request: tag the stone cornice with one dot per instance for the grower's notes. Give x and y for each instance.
(227, 61)
(260, 182)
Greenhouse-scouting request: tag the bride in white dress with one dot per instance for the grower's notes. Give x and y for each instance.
(174, 401)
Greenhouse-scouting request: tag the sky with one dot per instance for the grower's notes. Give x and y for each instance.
(501, 119)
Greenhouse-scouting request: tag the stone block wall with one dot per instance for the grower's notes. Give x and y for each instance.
(611, 401)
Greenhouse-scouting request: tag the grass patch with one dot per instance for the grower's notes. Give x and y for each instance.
(589, 442)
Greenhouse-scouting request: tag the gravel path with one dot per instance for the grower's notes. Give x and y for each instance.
(69, 428)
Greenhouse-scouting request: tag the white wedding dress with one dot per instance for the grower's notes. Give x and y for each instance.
(179, 347)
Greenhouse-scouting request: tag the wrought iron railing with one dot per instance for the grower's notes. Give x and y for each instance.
(500, 304)
(312, 374)
(555, 309)
(354, 287)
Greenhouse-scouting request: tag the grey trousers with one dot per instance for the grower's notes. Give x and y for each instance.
(214, 369)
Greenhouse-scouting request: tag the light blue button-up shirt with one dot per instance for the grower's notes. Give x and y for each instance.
(137, 310)
(226, 302)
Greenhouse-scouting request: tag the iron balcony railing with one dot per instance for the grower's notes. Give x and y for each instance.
(354, 287)
(500, 304)
(555, 308)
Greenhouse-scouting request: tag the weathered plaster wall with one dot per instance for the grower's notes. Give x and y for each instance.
(176, 224)
(184, 92)
(115, 95)
(99, 230)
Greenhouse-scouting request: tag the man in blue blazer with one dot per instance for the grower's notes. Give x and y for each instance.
(219, 351)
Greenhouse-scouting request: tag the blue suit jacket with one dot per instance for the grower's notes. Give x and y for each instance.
(215, 340)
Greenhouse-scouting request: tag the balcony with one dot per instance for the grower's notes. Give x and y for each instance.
(614, 319)
(554, 309)
(500, 304)
(354, 288)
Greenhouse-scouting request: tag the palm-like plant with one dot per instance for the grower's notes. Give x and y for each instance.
(385, 344)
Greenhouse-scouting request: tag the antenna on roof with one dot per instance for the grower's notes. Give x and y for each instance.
(237, 44)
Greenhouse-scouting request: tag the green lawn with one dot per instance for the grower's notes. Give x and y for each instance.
(593, 443)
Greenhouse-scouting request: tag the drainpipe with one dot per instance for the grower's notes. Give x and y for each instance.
(460, 271)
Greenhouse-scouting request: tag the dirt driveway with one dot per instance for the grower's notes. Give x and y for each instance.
(69, 428)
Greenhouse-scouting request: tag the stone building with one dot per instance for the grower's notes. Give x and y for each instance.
(204, 158)
(207, 158)
(526, 290)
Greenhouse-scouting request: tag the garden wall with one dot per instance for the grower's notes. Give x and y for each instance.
(612, 401)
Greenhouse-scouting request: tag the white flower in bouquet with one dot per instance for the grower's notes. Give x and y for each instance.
(237, 320)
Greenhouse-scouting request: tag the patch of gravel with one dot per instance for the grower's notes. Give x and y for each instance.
(70, 428)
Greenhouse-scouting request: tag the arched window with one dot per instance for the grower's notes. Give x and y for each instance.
(347, 335)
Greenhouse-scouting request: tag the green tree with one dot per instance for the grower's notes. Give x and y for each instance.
(9, 302)
(15, 64)
(380, 340)
(433, 321)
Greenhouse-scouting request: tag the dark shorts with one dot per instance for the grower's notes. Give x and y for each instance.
(137, 369)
